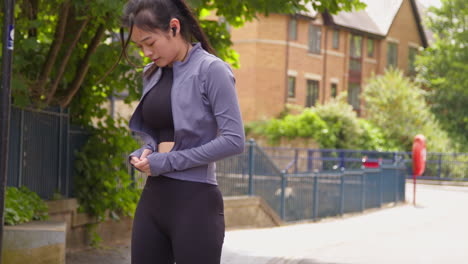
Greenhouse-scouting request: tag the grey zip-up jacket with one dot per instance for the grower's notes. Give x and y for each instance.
(207, 120)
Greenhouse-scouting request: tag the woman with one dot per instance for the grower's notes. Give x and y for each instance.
(188, 117)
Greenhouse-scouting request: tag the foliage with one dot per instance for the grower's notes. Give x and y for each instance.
(398, 107)
(305, 125)
(64, 47)
(94, 237)
(333, 125)
(373, 138)
(350, 131)
(103, 183)
(22, 205)
(442, 68)
(57, 43)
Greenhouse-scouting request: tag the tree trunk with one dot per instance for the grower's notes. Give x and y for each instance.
(66, 58)
(30, 8)
(83, 67)
(54, 48)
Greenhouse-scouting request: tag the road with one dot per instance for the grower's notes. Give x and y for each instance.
(433, 231)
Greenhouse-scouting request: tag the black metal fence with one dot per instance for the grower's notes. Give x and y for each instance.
(42, 148)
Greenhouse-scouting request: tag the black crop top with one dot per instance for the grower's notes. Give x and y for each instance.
(157, 108)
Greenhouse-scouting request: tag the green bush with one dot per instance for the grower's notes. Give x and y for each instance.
(373, 138)
(398, 107)
(305, 125)
(103, 184)
(22, 205)
(333, 125)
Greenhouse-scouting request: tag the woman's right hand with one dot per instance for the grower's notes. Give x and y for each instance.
(142, 163)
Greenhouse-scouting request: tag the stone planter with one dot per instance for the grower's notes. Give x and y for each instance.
(39, 242)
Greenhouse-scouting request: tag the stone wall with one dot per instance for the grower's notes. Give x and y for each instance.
(240, 212)
(78, 224)
(38, 242)
(249, 212)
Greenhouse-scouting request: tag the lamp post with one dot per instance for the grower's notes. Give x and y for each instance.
(5, 101)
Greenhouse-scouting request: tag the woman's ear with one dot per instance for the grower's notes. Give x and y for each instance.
(174, 25)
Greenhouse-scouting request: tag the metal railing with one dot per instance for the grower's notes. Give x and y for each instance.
(41, 151)
(450, 166)
(441, 166)
(297, 193)
(304, 185)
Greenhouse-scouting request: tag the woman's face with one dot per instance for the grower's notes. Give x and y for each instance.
(160, 47)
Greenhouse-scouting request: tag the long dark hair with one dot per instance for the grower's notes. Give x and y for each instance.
(157, 14)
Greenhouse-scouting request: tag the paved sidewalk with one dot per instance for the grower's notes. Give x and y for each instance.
(435, 231)
(114, 255)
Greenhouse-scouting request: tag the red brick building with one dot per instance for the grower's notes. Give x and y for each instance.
(310, 57)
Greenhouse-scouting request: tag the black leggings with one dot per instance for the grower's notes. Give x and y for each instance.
(178, 221)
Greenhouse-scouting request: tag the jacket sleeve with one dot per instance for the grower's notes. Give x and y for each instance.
(221, 93)
(137, 153)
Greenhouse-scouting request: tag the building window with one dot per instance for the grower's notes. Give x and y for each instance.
(411, 59)
(291, 86)
(334, 90)
(356, 46)
(355, 52)
(312, 93)
(336, 39)
(354, 90)
(392, 54)
(292, 28)
(315, 35)
(370, 48)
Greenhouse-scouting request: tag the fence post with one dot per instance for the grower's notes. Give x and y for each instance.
(380, 188)
(363, 191)
(251, 165)
(342, 194)
(132, 176)
(396, 179)
(296, 155)
(342, 159)
(60, 154)
(283, 196)
(315, 203)
(310, 154)
(67, 155)
(21, 154)
(439, 169)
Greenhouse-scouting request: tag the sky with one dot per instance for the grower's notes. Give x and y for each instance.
(428, 3)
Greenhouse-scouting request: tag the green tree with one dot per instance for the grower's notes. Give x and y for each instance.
(63, 47)
(443, 68)
(395, 104)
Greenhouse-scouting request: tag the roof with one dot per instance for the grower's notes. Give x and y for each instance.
(376, 19)
(382, 12)
(359, 20)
